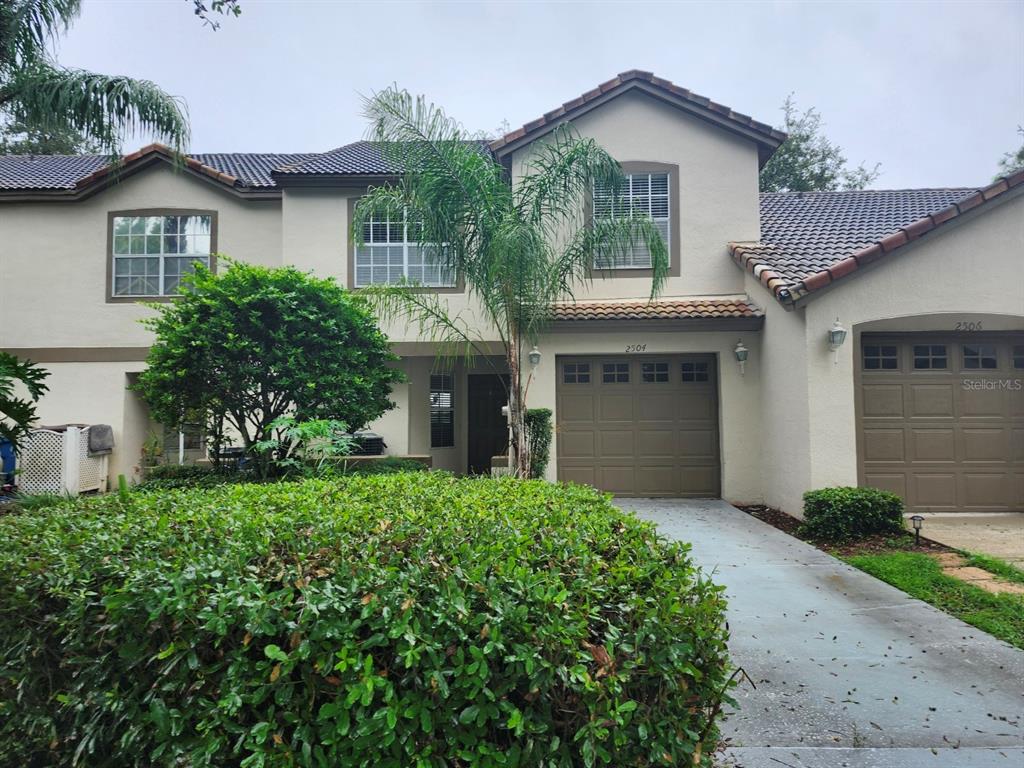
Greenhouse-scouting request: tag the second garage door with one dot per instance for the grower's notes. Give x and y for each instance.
(639, 426)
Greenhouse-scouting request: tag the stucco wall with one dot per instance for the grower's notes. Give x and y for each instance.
(53, 258)
(718, 177)
(973, 271)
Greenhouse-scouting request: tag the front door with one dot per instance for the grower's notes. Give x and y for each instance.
(488, 428)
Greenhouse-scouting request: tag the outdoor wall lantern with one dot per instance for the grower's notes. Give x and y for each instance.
(741, 353)
(917, 520)
(836, 337)
(534, 356)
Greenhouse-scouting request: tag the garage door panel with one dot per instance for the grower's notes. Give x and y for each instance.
(884, 445)
(577, 444)
(962, 428)
(935, 490)
(576, 408)
(892, 482)
(930, 401)
(986, 445)
(659, 443)
(883, 401)
(983, 403)
(986, 490)
(616, 443)
(636, 437)
(929, 445)
(616, 407)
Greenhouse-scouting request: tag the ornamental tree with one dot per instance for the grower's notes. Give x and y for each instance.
(242, 349)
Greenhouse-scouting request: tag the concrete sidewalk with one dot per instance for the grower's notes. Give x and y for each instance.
(849, 671)
(1000, 534)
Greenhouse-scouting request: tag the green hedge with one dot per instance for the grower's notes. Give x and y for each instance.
(844, 514)
(396, 620)
(538, 434)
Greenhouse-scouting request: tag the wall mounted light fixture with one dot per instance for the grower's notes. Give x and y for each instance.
(741, 353)
(534, 356)
(836, 337)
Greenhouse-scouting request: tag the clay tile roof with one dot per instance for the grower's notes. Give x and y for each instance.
(769, 137)
(811, 239)
(659, 309)
(357, 158)
(246, 170)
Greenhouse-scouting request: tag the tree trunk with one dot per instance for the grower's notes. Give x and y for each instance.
(517, 415)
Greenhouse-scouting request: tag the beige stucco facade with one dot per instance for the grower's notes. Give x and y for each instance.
(786, 422)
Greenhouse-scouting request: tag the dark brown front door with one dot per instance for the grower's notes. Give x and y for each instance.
(488, 429)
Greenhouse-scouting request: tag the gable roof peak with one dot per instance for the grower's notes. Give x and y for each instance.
(767, 138)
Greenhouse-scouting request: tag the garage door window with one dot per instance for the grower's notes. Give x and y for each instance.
(881, 357)
(576, 373)
(930, 357)
(615, 373)
(1018, 357)
(979, 356)
(695, 372)
(654, 372)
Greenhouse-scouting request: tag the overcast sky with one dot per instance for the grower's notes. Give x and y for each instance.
(934, 91)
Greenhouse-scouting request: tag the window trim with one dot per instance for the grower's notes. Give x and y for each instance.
(674, 225)
(350, 281)
(111, 215)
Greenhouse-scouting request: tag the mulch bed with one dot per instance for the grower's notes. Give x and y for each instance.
(872, 545)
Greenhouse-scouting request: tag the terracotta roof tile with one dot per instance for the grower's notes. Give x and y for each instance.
(659, 309)
(810, 239)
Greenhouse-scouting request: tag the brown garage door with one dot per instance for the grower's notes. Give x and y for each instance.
(639, 426)
(941, 420)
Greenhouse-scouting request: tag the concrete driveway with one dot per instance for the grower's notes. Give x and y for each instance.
(849, 671)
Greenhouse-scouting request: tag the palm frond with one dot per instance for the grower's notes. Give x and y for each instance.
(102, 107)
(28, 26)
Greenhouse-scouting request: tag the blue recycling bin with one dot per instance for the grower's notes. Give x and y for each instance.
(6, 461)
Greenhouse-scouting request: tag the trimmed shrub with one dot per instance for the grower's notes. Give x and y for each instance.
(843, 514)
(165, 477)
(387, 465)
(538, 435)
(411, 619)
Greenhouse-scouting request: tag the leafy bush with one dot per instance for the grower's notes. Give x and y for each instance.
(538, 436)
(386, 465)
(842, 514)
(165, 477)
(404, 620)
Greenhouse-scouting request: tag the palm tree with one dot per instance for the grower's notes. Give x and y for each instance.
(519, 249)
(38, 93)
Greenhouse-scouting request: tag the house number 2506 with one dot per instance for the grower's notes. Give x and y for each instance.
(636, 347)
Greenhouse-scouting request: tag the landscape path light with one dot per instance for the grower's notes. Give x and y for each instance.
(917, 521)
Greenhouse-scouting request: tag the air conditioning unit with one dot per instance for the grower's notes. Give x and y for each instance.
(368, 443)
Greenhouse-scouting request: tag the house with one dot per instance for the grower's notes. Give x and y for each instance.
(923, 396)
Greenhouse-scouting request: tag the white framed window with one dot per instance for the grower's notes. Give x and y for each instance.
(442, 410)
(151, 253)
(641, 193)
(391, 253)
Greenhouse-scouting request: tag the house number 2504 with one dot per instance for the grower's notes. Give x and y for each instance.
(636, 347)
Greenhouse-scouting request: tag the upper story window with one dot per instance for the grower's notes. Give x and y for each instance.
(391, 253)
(150, 253)
(642, 193)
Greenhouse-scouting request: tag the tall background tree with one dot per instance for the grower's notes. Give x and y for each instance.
(518, 250)
(244, 348)
(807, 161)
(1013, 161)
(48, 99)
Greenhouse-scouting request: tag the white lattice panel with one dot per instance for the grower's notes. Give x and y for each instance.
(41, 463)
(92, 470)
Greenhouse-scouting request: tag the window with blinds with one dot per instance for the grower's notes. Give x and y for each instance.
(642, 194)
(442, 410)
(391, 253)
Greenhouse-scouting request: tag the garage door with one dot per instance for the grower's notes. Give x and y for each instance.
(639, 426)
(941, 420)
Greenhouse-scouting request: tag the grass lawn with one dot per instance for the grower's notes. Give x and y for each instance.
(920, 576)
